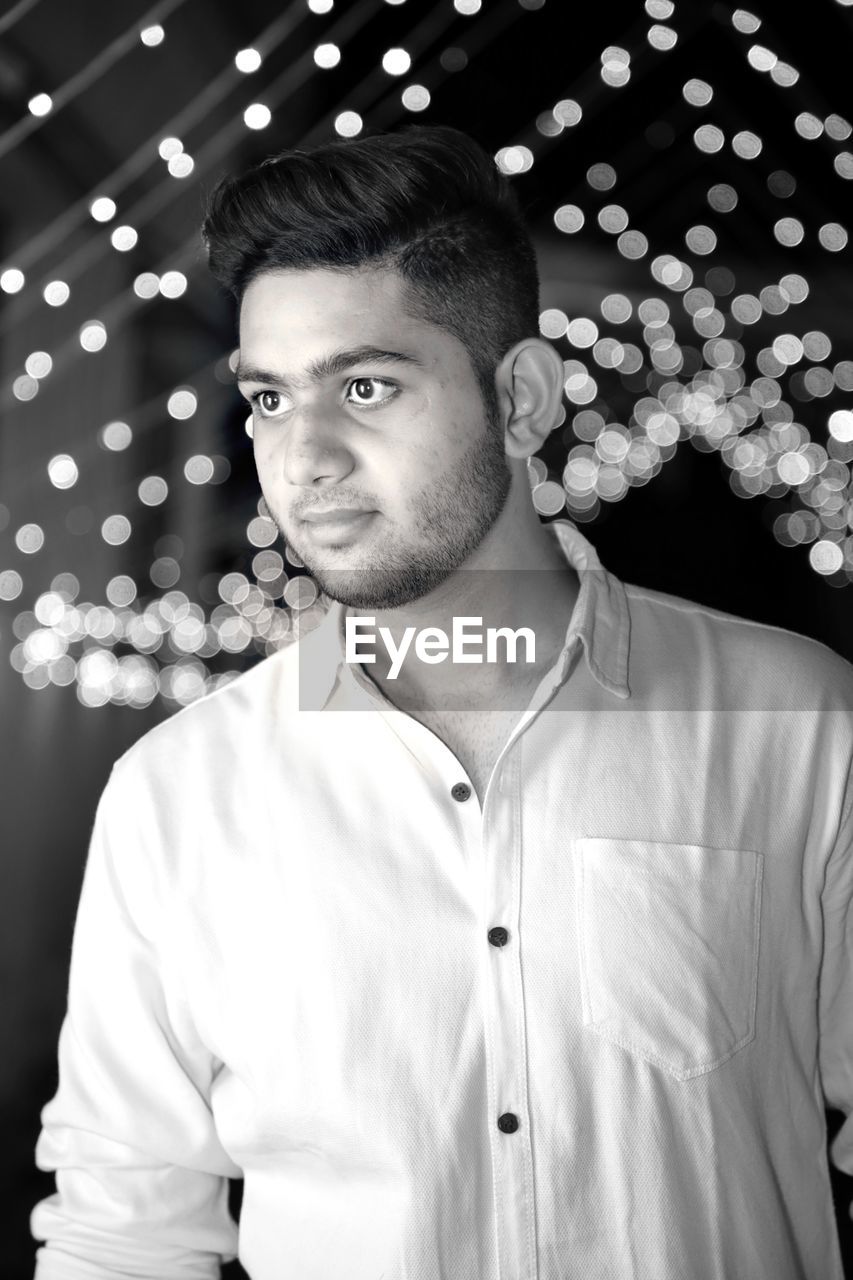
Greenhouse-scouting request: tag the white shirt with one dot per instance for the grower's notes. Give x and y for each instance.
(586, 1031)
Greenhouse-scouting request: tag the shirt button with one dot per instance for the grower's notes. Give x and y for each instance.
(498, 936)
(461, 791)
(508, 1123)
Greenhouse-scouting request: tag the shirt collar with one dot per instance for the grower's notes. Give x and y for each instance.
(600, 622)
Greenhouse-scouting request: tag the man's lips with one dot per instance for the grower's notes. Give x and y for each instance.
(334, 527)
(335, 515)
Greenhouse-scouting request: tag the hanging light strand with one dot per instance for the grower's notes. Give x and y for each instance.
(87, 76)
(18, 11)
(46, 241)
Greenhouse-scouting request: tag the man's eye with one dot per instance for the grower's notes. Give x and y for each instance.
(268, 403)
(371, 391)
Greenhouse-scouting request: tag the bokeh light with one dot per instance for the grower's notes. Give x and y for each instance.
(11, 280)
(56, 293)
(256, 116)
(40, 105)
(396, 62)
(124, 238)
(62, 470)
(247, 60)
(348, 124)
(93, 336)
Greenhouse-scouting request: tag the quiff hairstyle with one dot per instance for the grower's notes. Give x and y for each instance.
(425, 201)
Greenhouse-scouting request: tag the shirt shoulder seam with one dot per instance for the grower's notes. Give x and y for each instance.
(691, 606)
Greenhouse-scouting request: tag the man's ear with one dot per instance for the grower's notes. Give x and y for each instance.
(529, 383)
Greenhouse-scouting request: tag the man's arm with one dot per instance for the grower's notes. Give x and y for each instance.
(141, 1175)
(836, 987)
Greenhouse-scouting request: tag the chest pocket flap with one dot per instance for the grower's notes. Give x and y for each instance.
(668, 937)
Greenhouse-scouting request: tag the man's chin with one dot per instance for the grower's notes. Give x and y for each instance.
(366, 589)
(361, 589)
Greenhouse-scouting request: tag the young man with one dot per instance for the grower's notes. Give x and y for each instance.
(472, 970)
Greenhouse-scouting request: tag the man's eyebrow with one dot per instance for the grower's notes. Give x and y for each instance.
(328, 366)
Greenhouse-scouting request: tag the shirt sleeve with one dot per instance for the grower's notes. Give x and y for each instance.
(836, 986)
(141, 1175)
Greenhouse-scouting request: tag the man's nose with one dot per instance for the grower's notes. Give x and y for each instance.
(315, 449)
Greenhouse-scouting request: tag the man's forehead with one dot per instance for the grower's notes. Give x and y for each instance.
(324, 287)
(294, 320)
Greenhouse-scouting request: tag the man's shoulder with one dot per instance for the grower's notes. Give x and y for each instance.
(237, 719)
(766, 665)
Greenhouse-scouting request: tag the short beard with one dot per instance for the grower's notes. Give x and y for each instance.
(451, 521)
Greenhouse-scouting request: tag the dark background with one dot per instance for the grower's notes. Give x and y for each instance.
(689, 531)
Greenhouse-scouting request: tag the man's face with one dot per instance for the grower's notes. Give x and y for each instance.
(358, 405)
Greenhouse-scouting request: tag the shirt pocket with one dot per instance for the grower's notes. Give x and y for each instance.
(668, 937)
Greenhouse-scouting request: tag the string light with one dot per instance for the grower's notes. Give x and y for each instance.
(49, 238)
(182, 403)
(169, 147)
(115, 436)
(29, 538)
(103, 209)
(590, 476)
(124, 238)
(512, 160)
(745, 22)
(661, 37)
(173, 284)
(152, 36)
(41, 104)
(93, 336)
(56, 293)
(327, 56)
(153, 491)
(567, 112)
(11, 584)
(747, 145)
(709, 138)
(615, 66)
(11, 280)
(837, 127)
(62, 471)
(38, 364)
(553, 323)
(115, 530)
(348, 124)
(146, 285)
(396, 62)
(697, 92)
(247, 60)
(25, 387)
(181, 164)
(569, 218)
(199, 469)
(416, 97)
(256, 116)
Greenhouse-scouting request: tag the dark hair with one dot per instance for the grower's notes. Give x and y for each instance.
(426, 201)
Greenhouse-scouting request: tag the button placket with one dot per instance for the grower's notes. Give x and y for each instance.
(512, 1155)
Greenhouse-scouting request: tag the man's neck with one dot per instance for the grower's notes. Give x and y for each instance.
(536, 595)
